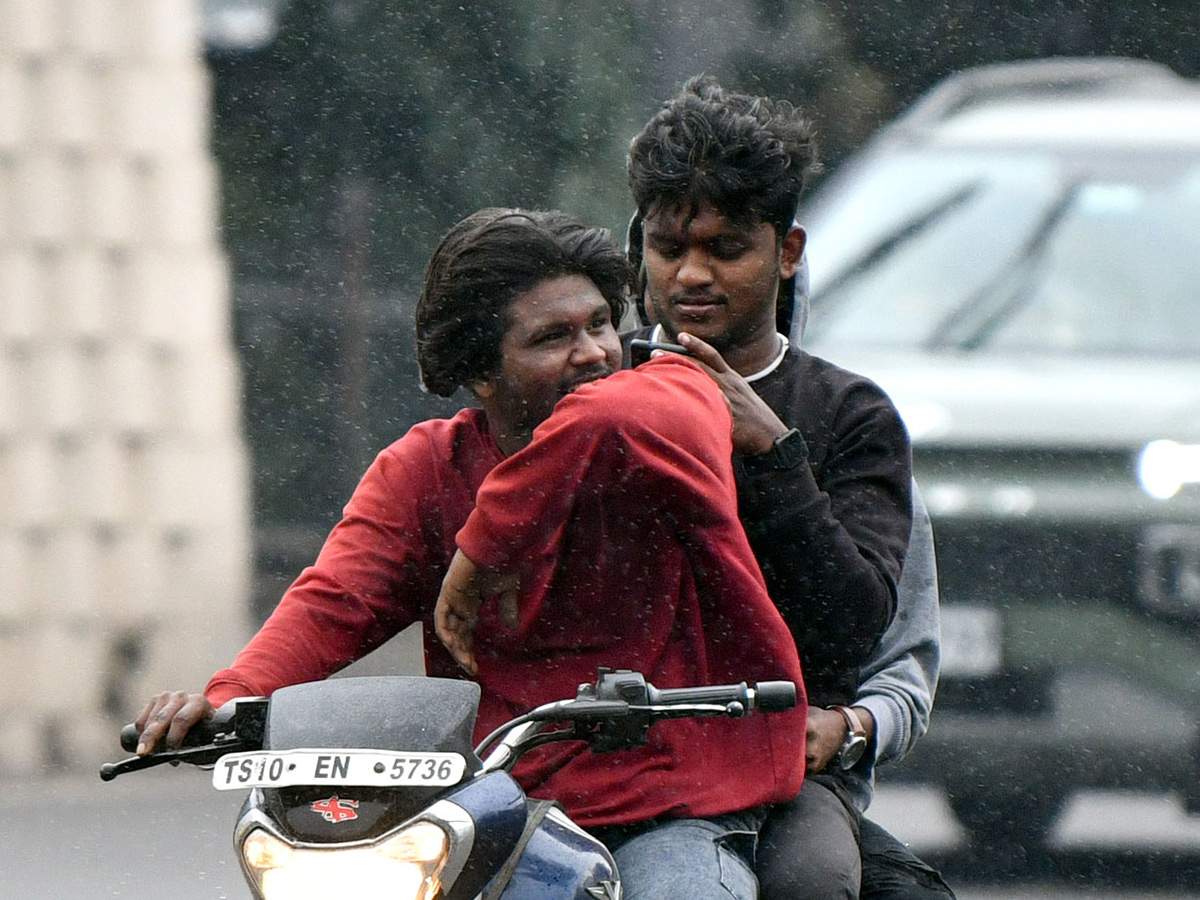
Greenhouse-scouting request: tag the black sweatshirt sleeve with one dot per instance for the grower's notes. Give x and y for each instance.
(830, 534)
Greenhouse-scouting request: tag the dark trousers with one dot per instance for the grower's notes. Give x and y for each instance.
(819, 847)
(890, 871)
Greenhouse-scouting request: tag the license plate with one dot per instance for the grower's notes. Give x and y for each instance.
(359, 768)
(971, 641)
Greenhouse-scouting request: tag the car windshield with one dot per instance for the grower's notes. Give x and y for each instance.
(1018, 252)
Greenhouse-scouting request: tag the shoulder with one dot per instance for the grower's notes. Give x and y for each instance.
(459, 442)
(833, 387)
(830, 404)
(669, 398)
(665, 386)
(437, 462)
(834, 378)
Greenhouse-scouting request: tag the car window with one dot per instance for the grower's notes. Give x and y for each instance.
(980, 250)
(877, 279)
(1118, 273)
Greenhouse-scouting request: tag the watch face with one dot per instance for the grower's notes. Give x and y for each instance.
(852, 751)
(788, 451)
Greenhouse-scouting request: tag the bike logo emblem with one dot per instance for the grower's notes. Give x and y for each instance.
(336, 810)
(606, 890)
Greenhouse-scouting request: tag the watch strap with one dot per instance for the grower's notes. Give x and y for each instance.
(787, 451)
(853, 723)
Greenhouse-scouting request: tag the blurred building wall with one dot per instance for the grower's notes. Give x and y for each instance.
(124, 505)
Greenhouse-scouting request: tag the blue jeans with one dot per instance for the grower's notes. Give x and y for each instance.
(700, 859)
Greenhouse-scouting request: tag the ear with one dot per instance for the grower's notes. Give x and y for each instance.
(793, 249)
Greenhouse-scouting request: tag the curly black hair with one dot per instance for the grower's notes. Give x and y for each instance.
(482, 265)
(750, 157)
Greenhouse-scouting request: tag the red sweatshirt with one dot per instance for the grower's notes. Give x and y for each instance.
(621, 518)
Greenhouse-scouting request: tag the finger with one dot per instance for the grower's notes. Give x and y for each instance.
(195, 710)
(146, 713)
(453, 613)
(458, 641)
(442, 615)
(454, 620)
(510, 609)
(465, 658)
(455, 630)
(703, 352)
(147, 737)
(154, 725)
(158, 719)
(460, 591)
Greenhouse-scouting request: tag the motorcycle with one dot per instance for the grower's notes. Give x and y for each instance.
(370, 786)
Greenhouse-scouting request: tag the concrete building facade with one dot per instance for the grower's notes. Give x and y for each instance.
(124, 479)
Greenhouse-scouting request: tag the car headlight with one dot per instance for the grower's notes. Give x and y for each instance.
(1166, 466)
(404, 866)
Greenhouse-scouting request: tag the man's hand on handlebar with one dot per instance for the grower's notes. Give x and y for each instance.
(171, 714)
(464, 589)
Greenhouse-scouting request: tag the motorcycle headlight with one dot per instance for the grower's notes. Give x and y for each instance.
(404, 866)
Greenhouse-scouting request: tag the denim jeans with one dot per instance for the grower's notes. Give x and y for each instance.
(700, 859)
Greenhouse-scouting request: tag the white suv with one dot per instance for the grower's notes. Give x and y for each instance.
(1016, 260)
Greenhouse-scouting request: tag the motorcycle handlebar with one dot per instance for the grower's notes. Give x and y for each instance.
(775, 696)
(614, 713)
(766, 696)
(199, 735)
(618, 711)
(129, 737)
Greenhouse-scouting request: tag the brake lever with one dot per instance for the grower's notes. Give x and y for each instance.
(195, 756)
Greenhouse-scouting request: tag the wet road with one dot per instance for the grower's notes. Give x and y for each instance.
(1106, 844)
(166, 833)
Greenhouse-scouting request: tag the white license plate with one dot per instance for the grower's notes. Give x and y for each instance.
(972, 641)
(359, 768)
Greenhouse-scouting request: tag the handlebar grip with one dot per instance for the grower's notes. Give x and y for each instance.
(201, 733)
(129, 737)
(775, 696)
(718, 694)
(766, 696)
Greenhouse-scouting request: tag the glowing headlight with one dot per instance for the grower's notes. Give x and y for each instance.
(406, 866)
(1166, 466)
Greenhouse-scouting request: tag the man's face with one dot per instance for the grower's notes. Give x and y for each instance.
(561, 335)
(715, 278)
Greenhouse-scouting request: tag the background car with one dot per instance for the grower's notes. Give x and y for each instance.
(1016, 260)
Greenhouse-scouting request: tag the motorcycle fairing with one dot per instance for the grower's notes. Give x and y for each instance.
(563, 862)
(403, 713)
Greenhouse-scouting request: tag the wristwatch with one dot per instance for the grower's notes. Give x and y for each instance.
(787, 452)
(855, 742)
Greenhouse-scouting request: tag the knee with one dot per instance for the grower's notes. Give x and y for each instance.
(685, 861)
(832, 877)
(809, 849)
